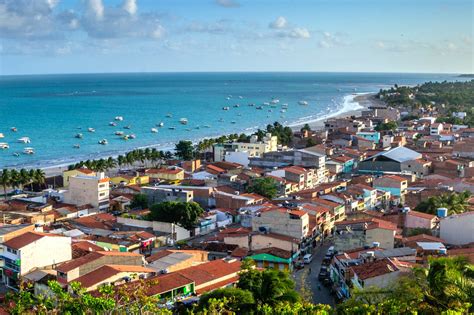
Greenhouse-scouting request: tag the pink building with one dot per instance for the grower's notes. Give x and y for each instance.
(415, 219)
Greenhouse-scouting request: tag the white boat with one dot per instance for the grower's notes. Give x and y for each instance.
(13, 129)
(126, 137)
(303, 103)
(119, 133)
(284, 106)
(161, 124)
(236, 105)
(259, 107)
(275, 101)
(16, 154)
(1, 135)
(91, 129)
(78, 136)
(28, 151)
(283, 111)
(154, 130)
(4, 145)
(103, 142)
(183, 121)
(207, 126)
(240, 96)
(169, 115)
(118, 118)
(127, 127)
(24, 140)
(112, 124)
(225, 108)
(132, 136)
(76, 146)
(266, 103)
(251, 104)
(227, 98)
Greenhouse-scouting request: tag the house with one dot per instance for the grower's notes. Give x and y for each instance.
(160, 194)
(172, 174)
(415, 219)
(347, 163)
(373, 136)
(396, 185)
(166, 261)
(200, 194)
(88, 189)
(75, 268)
(457, 229)
(464, 149)
(126, 180)
(273, 257)
(419, 168)
(32, 250)
(254, 148)
(388, 161)
(236, 201)
(365, 232)
(380, 273)
(76, 172)
(302, 176)
(436, 129)
(294, 223)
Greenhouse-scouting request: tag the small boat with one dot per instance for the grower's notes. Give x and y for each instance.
(283, 111)
(16, 154)
(259, 107)
(103, 142)
(188, 129)
(127, 127)
(126, 137)
(239, 114)
(169, 115)
(227, 98)
(118, 118)
(78, 136)
(251, 104)
(233, 122)
(4, 145)
(270, 110)
(1, 135)
(112, 124)
(13, 129)
(236, 105)
(183, 121)
(161, 124)
(266, 103)
(154, 130)
(24, 140)
(132, 136)
(207, 126)
(198, 127)
(28, 151)
(240, 96)
(221, 119)
(76, 146)
(284, 106)
(91, 129)
(303, 103)
(171, 128)
(225, 108)
(275, 101)
(119, 133)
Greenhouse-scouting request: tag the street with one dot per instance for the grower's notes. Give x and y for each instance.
(320, 293)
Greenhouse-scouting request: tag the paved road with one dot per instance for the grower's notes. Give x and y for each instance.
(320, 293)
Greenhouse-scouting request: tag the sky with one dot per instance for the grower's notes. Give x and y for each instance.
(89, 36)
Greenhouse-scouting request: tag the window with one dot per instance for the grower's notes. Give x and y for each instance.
(11, 250)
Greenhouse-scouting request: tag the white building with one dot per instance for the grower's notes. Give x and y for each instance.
(254, 148)
(32, 250)
(88, 189)
(294, 223)
(458, 229)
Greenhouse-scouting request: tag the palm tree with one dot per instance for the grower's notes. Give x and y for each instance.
(39, 177)
(5, 180)
(14, 178)
(23, 178)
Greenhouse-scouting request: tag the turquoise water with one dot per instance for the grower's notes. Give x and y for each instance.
(51, 109)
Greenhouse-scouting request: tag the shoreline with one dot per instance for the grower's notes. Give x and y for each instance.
(353, 105)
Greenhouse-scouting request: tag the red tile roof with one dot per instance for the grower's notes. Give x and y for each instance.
(105, 272)
(421, 215)
(375, 269)
(26, 239)
(76, 263)
(211, 271)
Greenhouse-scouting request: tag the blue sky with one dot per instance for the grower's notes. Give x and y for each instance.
(78, 36)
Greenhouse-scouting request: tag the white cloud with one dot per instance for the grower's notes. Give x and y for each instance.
(130, 6)
(95, 8)
(297, 33)
(331, 40)
(279, 23)
(218, 27)
(227, 3)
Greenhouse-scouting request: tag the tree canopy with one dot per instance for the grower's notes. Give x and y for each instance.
(139, 201)
(184, 150)
(185, 214)
(454, 202)
(265, 186)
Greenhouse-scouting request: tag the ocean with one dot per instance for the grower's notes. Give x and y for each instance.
(52, 109)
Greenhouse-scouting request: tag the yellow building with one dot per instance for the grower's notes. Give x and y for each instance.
(169, 174)
(72, 173)
(127, 180)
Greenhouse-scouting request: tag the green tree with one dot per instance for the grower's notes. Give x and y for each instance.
(310, 142)
(389, 126)
(5, 180)
(184, 150)
(266, 186)
(240, 301)
(139, 201)
(306, 127)
(186, 214)
(454, 202)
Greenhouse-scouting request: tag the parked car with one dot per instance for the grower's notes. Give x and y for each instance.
(299, 265)
(323, 273)
(327, 260)
(331, 251)
(307, 258)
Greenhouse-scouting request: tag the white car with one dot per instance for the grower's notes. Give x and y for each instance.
(307, 258)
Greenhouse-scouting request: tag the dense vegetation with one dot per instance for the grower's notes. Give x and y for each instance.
(266, 187)
(454, 202)
(447, 97)
(19, 179)
(139, 201)
(186, 214)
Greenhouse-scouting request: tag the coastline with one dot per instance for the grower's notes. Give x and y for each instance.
(352, 106)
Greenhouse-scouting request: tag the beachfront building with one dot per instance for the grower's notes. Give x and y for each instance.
(173, 174)
(304, 157)
(254, 148)
(30, 251)
(88, 189)
(76, 172)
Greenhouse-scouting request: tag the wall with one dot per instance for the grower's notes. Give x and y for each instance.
(386, 238)
(458, 229)
(46, 251)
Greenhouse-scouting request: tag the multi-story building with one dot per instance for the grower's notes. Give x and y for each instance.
(88, 189)
(294, 223)
(396, 185)
(32, 250)
(76, 172)
(303, 157)
(254, 148)
(172, 174)
(304, 177)
(158, 194)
